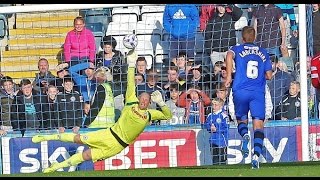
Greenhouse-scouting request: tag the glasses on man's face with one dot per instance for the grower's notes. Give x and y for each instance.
(223, 68)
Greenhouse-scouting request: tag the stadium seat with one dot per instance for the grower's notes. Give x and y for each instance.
(101, 15)
(242, 22)
(154, 13)
(3, 26)
(96, 28)
(149, 27)
(199, 39)
(144, 48)
(126, 14)
(153, 38)
(162, 51)
(118, 28)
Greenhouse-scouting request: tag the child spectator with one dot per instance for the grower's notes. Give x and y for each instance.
(217, 124)
(290, 106)
(178, 113)
(70, 107)
(139, 79)
(51, 110)
(195, 101)
(7, 93)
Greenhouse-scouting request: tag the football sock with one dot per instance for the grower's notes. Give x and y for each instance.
(258, 141)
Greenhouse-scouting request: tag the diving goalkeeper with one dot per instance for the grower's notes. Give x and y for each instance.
(108, 142)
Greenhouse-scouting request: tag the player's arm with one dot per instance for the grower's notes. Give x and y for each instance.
(229, 66)
(131, 87)
(165, 113)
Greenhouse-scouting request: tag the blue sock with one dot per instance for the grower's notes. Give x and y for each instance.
(258, 141)
(242, 128)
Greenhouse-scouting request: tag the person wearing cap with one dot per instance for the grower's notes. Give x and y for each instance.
(62, 71)
(200, 77)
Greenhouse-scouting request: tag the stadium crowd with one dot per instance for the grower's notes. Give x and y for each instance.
(88, 89)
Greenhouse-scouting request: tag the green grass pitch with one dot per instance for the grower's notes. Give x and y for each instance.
(302, 169)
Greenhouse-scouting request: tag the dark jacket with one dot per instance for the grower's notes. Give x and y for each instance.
(220, 32)
(18, 117)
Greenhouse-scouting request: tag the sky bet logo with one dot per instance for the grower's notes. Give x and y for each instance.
(23, 156)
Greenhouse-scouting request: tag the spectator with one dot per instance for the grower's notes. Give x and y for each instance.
(172, 79)
(206, 13)
(44, 77)
(62, 71)
(102, 112)
(178, 114)
(70, 107)
(51, 111)
(217, 124)
(279, 84)
(316, 28)
(290, 106)
(139, 79)
(114, 60)
(27, 109)
(181, 22)
(150, 86)
(200, 77)
(195, 101)
(220, 32)
(290, 23)
(79, 45)
(8, 91)
(85, 82)
(142, 66)
(181, 61)
(267, 19)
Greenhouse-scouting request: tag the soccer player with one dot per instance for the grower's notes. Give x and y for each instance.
(253, 68)
(108, 142)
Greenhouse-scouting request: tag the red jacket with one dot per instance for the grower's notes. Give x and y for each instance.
(206, 14)
(315, 71)
(80, 45)
(185, 101)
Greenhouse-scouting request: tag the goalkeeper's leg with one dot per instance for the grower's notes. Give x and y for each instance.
(72, 161)
(64, 137)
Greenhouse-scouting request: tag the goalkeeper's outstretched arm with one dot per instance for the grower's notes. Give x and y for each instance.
(131, 87)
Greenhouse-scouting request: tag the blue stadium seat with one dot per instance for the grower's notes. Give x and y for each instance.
(3, 26)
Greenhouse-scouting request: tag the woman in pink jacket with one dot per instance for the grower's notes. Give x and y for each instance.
(79, 44)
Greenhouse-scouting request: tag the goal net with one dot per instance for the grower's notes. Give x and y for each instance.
(31, 33)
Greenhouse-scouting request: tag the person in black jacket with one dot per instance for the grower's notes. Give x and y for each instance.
(220, 32)
(27, 109)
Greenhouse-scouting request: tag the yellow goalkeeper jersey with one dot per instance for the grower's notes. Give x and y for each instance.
(133, 121)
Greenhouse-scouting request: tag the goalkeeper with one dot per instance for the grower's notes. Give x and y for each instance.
(108, 142)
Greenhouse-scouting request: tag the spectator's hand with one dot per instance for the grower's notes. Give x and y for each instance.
(3, 132)
(86, 108)
(132, 58)
(295, 33)
(75, 129)
(157, 98)
(61, 129)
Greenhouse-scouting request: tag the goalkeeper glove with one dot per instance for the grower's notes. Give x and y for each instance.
(157, 98)
(132, 58)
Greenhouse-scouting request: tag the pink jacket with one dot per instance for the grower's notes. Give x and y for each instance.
(79, 45)
(185, 101)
